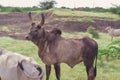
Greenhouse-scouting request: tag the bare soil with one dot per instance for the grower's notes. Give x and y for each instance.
(17, 25)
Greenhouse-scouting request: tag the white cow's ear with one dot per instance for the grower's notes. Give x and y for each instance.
(20, 66)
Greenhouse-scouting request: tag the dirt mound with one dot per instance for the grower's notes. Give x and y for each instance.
(82, 26)
(17, 25)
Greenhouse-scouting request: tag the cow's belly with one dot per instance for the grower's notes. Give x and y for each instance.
(71, 57)
(72, 60)
(72, 64)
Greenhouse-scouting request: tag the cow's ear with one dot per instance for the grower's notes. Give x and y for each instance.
(20, 65)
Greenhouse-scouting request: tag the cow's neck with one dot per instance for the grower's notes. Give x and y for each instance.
(42, 43)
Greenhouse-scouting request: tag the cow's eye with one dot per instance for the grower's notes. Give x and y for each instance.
(39, 27)
(36, 30)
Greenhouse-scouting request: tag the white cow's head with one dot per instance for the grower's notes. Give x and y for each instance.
(30, 69)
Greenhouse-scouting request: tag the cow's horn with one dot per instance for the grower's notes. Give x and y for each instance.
(30, 17)
(42, 19)
(20, 65)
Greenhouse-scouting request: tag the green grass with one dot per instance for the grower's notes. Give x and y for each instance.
(19, 46)
(83, 19)
(107, 70)
(69, 12)
(4, 28)
(18, 9)
(7, 28)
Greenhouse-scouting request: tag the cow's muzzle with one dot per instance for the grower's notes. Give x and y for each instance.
(28, 37)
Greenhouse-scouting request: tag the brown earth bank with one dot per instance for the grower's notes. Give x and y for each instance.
(17, 25)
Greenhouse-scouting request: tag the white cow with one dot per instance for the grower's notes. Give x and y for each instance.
(14, 66)
(113, 32)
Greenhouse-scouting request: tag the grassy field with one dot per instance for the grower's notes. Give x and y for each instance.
(68, 12)
(106, 70)
(82, 16)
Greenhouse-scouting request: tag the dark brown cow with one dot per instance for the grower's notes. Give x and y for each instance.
(55, 49)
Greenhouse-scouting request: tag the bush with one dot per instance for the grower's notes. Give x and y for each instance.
(112, 51)
(115, 10)
(16, 10)
(93, 32)
(96, 9)
(19, 9)
(47, 4)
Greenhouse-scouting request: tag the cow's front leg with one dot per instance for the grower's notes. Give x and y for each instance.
(57, 70)
(48, 70)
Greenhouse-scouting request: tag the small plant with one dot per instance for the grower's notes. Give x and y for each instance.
(93, 31)
(114, 48)
(112, 51)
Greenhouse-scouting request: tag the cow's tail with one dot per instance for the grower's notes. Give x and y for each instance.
(95, 70)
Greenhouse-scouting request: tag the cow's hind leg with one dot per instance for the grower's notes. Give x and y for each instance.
(48, 70)
(57, 70)
(90, 72)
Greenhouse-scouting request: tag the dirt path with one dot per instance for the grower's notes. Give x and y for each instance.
(16, 25)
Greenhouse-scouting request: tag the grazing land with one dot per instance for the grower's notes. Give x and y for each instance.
(14, 27)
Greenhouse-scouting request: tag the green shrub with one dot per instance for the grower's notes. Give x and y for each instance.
(93, 32)
(47, 4)
(112, 51)
(115, 10)
(16, 10)
(19, 9)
